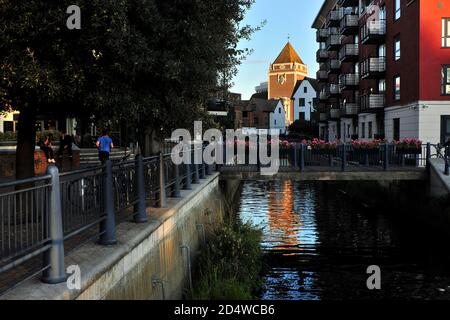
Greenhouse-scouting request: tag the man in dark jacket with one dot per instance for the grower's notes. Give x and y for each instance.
(65, 144)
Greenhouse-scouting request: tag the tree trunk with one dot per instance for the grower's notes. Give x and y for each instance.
(26, 141)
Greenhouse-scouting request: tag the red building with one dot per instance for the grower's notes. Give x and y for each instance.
(385, 69)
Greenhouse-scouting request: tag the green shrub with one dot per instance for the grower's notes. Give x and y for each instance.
(230, 266)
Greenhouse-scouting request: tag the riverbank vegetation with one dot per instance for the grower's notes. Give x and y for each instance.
(231, 264)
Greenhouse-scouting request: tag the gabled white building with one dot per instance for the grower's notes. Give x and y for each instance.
(305, 93)
(277, 116)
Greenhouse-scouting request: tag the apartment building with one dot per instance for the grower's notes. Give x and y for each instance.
(384, 69)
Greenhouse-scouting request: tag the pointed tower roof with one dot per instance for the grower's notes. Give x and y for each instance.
(288, 55)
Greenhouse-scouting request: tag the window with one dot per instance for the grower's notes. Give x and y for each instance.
(445, 128)
(382, 86)
(348, 131)
(396, 129)
(397, 11)
(397, 45)
(305, 90)
(245, 114)
(363, 130)
(397, 88)
(301, 102)
(8, 126)
(445, 80)
(279, 110)
(446, 32)
(370, 130)
(301, 116)
(275, 121)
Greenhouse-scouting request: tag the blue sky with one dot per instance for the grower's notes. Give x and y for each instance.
(284, 17)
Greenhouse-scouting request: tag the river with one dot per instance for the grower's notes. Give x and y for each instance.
(319, 244)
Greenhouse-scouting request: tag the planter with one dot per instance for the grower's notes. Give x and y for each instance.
(324, 151)
(366, 151)
(409, 150)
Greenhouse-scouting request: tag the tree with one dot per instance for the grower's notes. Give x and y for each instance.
(303, 129)
(152, 63)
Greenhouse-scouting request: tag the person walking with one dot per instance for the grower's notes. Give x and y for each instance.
(45, 144)
(65, 144)
(104, 145)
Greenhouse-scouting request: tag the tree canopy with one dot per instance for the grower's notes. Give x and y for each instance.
(152, 63)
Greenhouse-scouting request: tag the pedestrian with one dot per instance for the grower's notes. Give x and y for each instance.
(45, 144)
(104, 145)
(65, 143)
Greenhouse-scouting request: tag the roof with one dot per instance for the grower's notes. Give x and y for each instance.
(261, 95)
(323, 12)
(288, 55)
(262, 105)
(314, 83)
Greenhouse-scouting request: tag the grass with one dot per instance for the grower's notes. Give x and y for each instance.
(230, 266)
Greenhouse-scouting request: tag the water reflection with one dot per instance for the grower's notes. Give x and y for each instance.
(319, 246)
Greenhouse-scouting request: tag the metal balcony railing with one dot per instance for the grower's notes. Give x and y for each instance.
(334, 17)
(335, 113)
(322, 75)
(333, 41)
(334, 66)
(349, 24)
(372, 101)
(332, 89)
(323, 95)
(373, 67)
(349, 109)
(323, 116)
(349, 52)
(322, 55)
(348, 80)
(373, 32)
(321, 35)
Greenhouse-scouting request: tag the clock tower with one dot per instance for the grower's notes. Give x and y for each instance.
(284, 73)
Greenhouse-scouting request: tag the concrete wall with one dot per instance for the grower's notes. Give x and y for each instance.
(145, 252)
(420, 120)
(366, 118)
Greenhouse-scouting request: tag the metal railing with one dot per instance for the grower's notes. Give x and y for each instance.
(373, 30)
(373, 66)
(343, 157)
(372, 101)
(53, 214)
(350, 50)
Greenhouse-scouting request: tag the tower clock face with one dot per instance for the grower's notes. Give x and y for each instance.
(281, 79)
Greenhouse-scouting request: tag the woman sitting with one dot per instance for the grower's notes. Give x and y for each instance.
(45, 144)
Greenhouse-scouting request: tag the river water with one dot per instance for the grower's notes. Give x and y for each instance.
(319, 245)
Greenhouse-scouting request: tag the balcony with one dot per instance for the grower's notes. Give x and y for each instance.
(349, 81)
(334, 66)
(323, 116)
(322, 75)
(349, 109)
(334, 18)
(335, 113)
(348, 3)
(333, 42)
(349, 53)
(323, 96)
(322, 55)
(350, 24)
(372, 102)
(373, 32)
(321, 35)
(373, 68)
(332, 90)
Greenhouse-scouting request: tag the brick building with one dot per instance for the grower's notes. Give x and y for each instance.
(384, 69)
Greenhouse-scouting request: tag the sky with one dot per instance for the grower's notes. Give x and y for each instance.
(284, 18)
